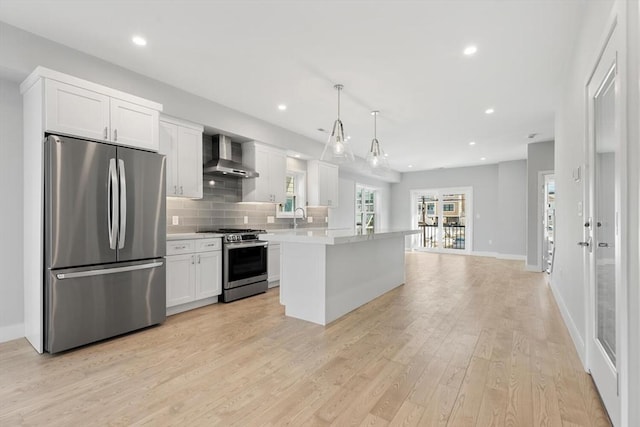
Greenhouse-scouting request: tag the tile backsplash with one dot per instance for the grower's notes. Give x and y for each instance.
(222, 207)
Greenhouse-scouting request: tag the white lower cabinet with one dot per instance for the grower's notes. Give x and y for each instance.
(194, 273)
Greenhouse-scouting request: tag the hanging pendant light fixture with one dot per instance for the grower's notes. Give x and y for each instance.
(337, 148)
(376, 158)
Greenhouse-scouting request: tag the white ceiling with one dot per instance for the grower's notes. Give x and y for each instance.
(403, 58)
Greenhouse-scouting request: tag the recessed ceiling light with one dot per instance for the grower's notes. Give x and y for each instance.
(410, 166)
(483, 158)
(282, 107)
(470, 50)
(489, 111)
(386, 154)
(139, 40)
(472, 143)
(297, 156)
(348, 137)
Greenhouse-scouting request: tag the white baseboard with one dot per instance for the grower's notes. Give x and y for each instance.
(191, 305)
(482, 253)
(11, 332)
(578, 341)
(535, 268)
(512, 256)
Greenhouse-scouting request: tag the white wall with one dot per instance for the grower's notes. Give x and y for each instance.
(539, 158)
(11, 294)
(344, 215)
(487, 216)
(512, 221)
(568, 279)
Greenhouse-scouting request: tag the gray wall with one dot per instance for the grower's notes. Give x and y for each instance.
(483, 180)
(11, 294)
(512, 182)
(495, 229)
(539, 158)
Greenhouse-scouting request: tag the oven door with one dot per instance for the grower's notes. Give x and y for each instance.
(244, 263)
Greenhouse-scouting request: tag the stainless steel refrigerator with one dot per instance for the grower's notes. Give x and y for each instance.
(105, 239)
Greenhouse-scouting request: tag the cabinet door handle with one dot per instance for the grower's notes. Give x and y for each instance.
(181, 247)
(175, 189)
(193, 259)
(181, 192)
(198, 259)
(115, 134)
(106, 132)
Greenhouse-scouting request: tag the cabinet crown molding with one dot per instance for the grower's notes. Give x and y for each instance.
(46, 73)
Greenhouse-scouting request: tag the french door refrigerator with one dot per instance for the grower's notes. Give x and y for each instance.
(105, 239)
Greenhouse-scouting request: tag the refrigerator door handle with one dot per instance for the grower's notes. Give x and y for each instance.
(112, 205)
(123, 204)
(103, 271)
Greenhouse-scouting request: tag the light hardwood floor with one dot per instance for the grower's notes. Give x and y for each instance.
(467, 341)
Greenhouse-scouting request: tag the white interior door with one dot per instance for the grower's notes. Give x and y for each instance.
(603, 229)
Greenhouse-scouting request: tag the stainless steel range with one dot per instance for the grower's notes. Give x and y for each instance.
(244, 263)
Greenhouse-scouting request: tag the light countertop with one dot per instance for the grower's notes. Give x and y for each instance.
(330, 236)
(189, 236)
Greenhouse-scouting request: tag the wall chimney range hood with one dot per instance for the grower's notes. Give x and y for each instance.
(223, 164)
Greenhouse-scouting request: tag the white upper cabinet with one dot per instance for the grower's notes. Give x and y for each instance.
(134, 125)
(75, 111)
(271, 164)
(181, 142)
(322, 184)
(77, 107)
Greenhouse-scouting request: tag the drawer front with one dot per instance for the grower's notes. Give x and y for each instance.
(177, 247)
(206, 245)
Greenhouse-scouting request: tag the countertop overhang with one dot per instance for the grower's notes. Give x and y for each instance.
(190, 236)
(331, 236)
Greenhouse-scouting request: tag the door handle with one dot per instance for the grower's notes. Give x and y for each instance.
(112, 204)
(584, 244)
(123, 204)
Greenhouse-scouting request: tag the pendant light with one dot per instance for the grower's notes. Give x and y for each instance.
(376, 158)
(337, 148)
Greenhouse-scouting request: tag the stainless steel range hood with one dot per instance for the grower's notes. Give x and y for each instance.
(222, 163)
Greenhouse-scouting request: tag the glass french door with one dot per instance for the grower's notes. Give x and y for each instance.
(602, 229)
(441, 217)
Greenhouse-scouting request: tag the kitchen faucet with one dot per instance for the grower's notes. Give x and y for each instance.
(304, 215)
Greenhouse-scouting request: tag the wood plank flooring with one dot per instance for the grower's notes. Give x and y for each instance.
(467, 341)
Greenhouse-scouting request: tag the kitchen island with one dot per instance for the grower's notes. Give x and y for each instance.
(327, 273)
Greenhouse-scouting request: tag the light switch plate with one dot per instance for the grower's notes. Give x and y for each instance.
(246, 219)
(270, 219)
(309, 219)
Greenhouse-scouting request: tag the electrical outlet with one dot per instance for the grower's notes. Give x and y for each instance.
(309, 219)
(175, 220)
(270, 219)
(246, 219)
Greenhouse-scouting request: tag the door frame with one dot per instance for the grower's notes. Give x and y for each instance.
(541, 208)
(468, 191)
(616, 23)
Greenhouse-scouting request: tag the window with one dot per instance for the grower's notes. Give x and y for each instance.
(295, 184)
(448, 207)
(366, 201)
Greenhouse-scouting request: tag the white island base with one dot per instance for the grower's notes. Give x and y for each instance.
(325, 276)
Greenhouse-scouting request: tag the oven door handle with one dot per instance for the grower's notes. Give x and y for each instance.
(246, 245)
